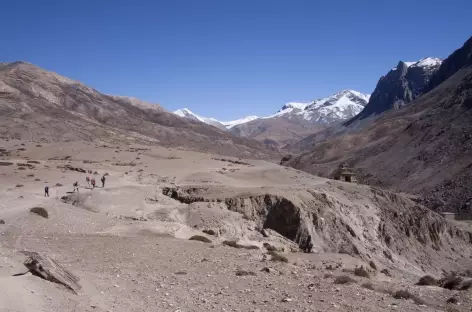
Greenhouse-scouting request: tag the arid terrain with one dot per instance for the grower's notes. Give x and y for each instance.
(128, 242)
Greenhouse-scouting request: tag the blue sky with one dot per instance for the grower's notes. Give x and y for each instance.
(229, 58)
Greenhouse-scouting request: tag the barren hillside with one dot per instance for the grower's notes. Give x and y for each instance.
(39, 105)
(424, 149)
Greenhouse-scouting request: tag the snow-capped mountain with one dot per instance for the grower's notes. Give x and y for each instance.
(432, 62)
(337, 107)
(186, 113)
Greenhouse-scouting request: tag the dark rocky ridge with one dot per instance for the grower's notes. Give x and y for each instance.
(397, 88)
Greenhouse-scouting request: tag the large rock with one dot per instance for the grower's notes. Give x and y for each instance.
(46, 268)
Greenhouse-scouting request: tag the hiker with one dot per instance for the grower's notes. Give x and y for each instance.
(103, 181)
(46, 191)
(76, 186)
(88, 181)
(93, 183)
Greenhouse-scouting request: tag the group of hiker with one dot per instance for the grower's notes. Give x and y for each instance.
(90, 183)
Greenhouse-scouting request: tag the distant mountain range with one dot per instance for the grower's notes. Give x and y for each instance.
(293, 120)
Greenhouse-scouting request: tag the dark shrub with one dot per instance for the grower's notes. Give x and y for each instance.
(277, 257)
(40, 211)
(372, 265)
(361, 272)
(427, 280)
(200, 239)
(245, 273)
(209, 232)
(368, 286)
(344, 279)
(451, 282)
(406, 295)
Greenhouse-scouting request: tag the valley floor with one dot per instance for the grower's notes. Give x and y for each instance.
(128, 243)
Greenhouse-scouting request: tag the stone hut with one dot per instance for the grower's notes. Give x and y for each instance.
(345, 174)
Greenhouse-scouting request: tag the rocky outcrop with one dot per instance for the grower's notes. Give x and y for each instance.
(400, 86)
(46, 268)
(389, 225)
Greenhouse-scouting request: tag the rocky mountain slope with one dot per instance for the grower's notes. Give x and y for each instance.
(294, 120)
(399, 86)
(424, 148)
(37, 104)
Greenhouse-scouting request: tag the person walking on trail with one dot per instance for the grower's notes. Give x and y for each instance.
(103, 181)
(46, 191)
(76, 186)
(93, 183)
(88, 181)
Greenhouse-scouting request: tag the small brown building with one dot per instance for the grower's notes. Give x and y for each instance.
(345, 174)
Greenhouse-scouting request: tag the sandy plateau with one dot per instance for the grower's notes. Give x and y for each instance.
(128, 242)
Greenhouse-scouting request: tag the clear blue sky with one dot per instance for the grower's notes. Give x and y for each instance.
(229, 58)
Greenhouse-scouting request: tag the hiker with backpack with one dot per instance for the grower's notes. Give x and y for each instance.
(103, 181)
(46, 191)
(87, 179)
(76, 186)
(93, 183)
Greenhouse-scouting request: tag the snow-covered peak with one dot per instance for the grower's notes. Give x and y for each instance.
(428, 62)
(339, 106)
(295, 105)
(231, 124)
(186, 113)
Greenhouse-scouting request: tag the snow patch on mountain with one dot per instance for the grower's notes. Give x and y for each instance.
(231, 124)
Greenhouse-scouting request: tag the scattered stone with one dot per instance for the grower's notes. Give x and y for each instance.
(268, 270)
(2, 221)
(59, 184)
(287, 300)
(180, 273)
(40, 211)
(5, 163)
(19, 185)
(235, 244)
